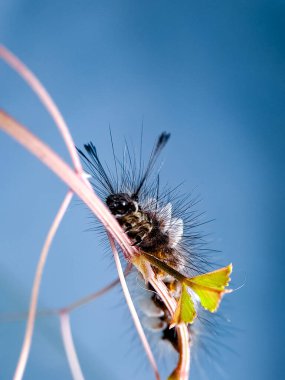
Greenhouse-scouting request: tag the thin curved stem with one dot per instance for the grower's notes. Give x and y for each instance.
(182, 369)
(36, 287)
(133, 310)
(69, 347)
(34, 83)
(45, 154)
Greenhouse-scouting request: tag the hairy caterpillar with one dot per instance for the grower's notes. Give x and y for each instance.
(162, 226)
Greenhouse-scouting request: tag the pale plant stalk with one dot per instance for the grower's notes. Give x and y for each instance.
(69, 347)
(47, 101)
(182, 370)
(45, 154)
(132, 309)
(36, 287)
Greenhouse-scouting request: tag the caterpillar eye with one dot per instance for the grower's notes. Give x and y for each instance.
(120, 204)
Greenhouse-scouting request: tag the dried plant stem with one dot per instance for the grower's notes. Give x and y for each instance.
(182, 369)
(69, 347)
(36, 286)
(47, 101)
(67, 175)
(133, 310)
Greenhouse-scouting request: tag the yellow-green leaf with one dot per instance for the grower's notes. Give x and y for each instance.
(210, 287)
(217, 279)
(185, 311)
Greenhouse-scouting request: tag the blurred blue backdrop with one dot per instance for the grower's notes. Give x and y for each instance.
(209, 72)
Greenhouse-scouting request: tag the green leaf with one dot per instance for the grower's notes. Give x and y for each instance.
(185, 311)
(210, 287)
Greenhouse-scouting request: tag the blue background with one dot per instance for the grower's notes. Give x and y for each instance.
(209, 72)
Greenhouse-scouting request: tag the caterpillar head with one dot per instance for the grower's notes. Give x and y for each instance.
(121, 204)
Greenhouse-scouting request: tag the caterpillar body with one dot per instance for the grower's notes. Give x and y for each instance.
(162, 226)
